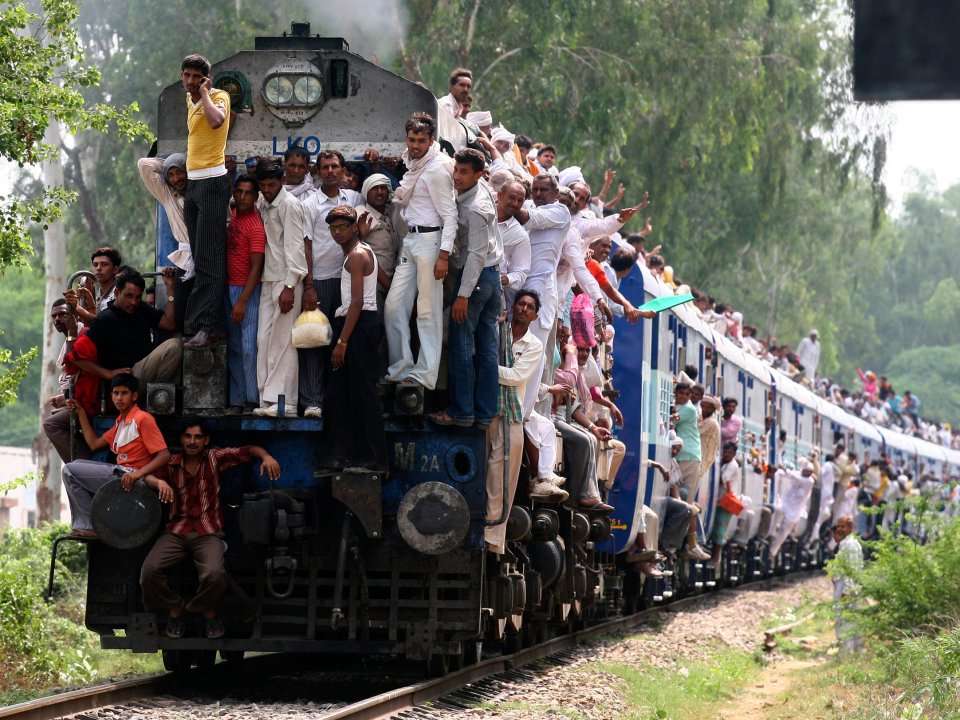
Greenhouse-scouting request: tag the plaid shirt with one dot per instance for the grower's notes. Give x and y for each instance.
(196, 498)
(508, 406)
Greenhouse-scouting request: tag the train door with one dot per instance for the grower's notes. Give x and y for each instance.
(753, 444)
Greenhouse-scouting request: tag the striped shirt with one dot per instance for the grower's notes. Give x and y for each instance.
(508, 406)
(196, 498)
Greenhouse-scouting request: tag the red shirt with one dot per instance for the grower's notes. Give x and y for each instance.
(135, 438)
(599, 275)
(196, 498)
(86, 386)
(245, 235)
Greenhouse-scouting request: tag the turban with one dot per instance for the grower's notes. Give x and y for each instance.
(501, 133)
(375, 180)
(675, 440)
(570, 175)
(480, 118)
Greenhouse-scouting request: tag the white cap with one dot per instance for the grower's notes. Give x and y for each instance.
(569, 176)
(375, 180)
(675, 440)
(501, 133)
(480, 118)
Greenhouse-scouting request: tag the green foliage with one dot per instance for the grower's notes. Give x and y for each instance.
(38, 645)
(933, 374)
(43, 46)
(21, 297)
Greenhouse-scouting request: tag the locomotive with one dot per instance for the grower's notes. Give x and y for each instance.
(394, 563)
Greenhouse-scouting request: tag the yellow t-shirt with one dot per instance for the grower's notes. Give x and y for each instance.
(206, 145)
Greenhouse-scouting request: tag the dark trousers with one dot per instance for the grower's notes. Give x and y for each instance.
(352, 416)
(167, 552)
(205, 210)
(676, 524)
(56, 426)
(315, 362)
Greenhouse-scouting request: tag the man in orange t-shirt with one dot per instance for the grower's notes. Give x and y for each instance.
(134, 439)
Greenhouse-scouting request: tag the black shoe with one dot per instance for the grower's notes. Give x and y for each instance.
(174, 628)
(214, 628)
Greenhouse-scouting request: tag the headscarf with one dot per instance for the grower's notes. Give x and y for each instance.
(375, 180)
(174, 160)
(303, 189)
(501, 133)
(415, 169)
(480, 118)
(569, 176)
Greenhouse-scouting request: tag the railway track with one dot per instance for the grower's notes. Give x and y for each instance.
(152, 695)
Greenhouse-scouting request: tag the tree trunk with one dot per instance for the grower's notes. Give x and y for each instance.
(54, 265)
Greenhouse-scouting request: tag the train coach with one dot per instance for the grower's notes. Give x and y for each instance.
(394, 563)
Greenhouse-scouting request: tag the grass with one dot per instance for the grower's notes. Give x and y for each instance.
(687, 693)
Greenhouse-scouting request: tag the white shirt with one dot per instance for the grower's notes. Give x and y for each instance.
(527, 353)
(448, 126)
(796, 496)
(730, 475)
(433, 202)
(516, 253)
(327, 255)
(591, 227)
(547, 227)
(572, 268)
(808, 352)
(283, 220)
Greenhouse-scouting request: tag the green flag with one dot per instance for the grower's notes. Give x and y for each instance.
(666, 302)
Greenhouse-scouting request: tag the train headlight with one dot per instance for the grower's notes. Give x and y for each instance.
(308, 90)
(278, 90)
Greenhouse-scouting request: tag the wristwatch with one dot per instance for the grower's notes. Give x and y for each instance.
(341, 341)
(170, 298)
(288, 287)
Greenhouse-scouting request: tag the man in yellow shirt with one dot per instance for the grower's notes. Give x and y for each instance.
(206, 200)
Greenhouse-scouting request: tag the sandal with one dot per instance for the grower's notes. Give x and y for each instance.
(441, 418)
(175, 628)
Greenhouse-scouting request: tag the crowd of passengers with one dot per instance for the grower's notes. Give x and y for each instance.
(876, 402)
(472, 242)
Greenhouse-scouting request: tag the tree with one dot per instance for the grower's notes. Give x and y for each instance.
(43, 85)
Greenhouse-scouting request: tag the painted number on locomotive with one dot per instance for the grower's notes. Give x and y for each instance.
(406, 458)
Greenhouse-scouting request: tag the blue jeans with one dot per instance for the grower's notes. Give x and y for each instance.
(242, 348)
(472, 346)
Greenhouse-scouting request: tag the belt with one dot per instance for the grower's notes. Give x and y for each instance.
(420, 229)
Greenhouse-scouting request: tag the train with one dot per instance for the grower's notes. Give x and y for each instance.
(394, 563)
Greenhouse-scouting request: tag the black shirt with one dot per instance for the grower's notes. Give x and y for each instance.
(123, 339)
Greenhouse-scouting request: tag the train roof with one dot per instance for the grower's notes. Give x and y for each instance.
(899, 441)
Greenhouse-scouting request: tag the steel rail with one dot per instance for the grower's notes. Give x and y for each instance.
(385, 704)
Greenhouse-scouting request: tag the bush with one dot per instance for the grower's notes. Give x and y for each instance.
(39, 645)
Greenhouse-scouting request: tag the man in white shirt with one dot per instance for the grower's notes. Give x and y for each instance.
(808, 352)
(297, 179)
(730, 481)
(284, 268)
(516, 241)
(430, 211)
(547, 224)
(166, 180)
(572, 267)
(546, 159)
(586, 221)
(450, 109)
(324, 264)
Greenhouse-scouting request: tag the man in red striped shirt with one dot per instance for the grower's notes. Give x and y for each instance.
(190, 482)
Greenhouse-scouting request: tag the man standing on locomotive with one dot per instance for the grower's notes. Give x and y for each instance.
(297, 179)
(134, 439)
(190, 482)
(430, 210)
(473, 336)
(206, 200)
(281, 290)
(321, 287)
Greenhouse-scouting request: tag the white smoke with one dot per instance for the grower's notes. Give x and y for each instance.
(373, 28)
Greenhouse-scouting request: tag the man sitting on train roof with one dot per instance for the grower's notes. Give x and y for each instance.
(430, 210)
(321, 287)
(472, 343)
(189, 481)
(105, 263)
(284, 269)
(134, 439)
(206, 199)
(123, 334)
(297, 179)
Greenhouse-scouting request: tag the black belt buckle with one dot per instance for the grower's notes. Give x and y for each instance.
(421, 229)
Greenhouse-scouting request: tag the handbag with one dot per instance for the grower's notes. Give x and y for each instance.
(730, 503)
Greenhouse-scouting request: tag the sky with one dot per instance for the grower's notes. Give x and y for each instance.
(923, 137)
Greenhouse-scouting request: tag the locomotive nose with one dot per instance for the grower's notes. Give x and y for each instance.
(433, 518)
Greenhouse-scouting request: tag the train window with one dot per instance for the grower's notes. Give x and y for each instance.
(681, 356)
(720, 384)
(339, 78)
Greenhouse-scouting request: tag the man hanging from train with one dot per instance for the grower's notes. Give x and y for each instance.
(472, 343)
(206, 200)
(246, 244)
(105, 262)
(189, 481)
(281, 291)
(355, 417)
(688, 461)
(430, 210)
(297, 179)
(166, 180)
(135, 441)
(516, 241)
(321, 287)
(123, 334)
